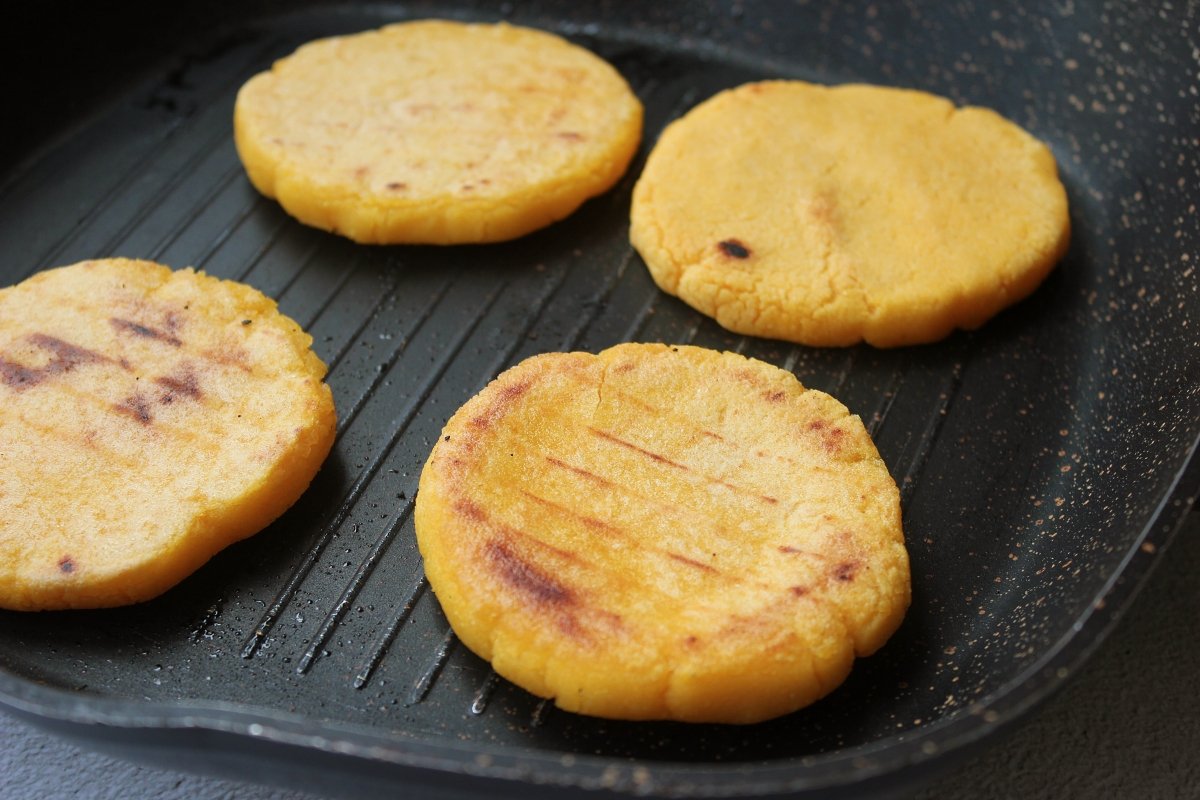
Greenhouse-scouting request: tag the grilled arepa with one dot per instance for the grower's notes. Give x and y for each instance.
(436, 132)
(148, 418)
(834, 215)
(663, 532)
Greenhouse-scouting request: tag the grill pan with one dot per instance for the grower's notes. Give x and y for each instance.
(1044, 461)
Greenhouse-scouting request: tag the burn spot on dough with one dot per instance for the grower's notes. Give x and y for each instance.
(66, 355)
(397, 186)
(173, 320)
(525, 578)
(774, 395)
(748, 376)
(470, 510)
(570, 136)
(831, 436)
(18, 376)
(798, 591)
(144, 331)
(513, 391)
(182, 384)
(230, 354)
(733, 248)
(64, 358)
(135, 406)
(506, 396)
(845, 571)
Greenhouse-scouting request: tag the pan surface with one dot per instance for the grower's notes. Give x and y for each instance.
(1044, 460)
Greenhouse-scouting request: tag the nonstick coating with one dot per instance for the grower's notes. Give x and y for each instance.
(1044, 460)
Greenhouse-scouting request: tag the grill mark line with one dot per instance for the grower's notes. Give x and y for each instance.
(682, 421)
(57, 432)
(579, 471)
(182, 433)
(144, 331)
(526, 578)
(185, 384)
(645, 406)
(476, 514)
(184, 350)
(66, 357)
(661, 459)
(593, 522)
(674, 510)
(664, 460)
(205, 356)
(694, 563)
(135, 406)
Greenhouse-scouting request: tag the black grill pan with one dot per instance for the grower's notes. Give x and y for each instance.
(1044, 461)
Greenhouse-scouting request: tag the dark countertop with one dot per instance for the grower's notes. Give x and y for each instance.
(1128, 725)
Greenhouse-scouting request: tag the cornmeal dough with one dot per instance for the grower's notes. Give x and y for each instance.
(833, 215)
(663, 532)
(436, 132)
(148, 418)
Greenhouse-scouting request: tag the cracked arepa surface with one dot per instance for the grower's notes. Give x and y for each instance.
(663, 532)
(148, 419)
(436, 132)
(833, 215)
